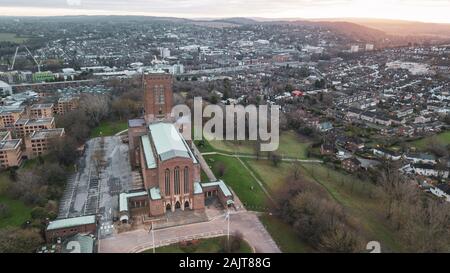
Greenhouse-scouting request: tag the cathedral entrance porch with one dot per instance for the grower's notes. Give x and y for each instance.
(177, 218)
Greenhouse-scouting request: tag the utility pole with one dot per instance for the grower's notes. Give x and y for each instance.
(153, 240)
(227, 216)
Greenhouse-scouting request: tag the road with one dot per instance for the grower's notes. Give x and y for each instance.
(245, 222)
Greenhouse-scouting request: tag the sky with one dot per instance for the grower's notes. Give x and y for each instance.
(414, 10)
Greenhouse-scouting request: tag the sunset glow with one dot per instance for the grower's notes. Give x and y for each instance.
(413, 10)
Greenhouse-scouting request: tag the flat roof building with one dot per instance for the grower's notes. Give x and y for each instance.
(66, 104)
(10, 153)
(67, 227)
(39, 142)
(41, 110)
(9, 116)
(24, 126)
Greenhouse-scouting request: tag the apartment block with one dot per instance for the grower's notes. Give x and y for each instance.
(67, 104)
(39, 142)
(42, 110)
(24, 127)
(10, 153)
(9, 117)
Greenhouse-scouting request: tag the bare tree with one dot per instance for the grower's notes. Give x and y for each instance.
(428, 226)
(394, 186)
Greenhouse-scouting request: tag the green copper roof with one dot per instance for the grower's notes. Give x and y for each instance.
(225, 190)
(155, 193)
(149, 158)
(197, 188)
(71, 222)
(86, 244)
(123, 199)
(168, 141)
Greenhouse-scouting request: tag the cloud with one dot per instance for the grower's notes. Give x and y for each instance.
(431, 10)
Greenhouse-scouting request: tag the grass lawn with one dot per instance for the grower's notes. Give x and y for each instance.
(11, 37)
(273, 177)
(240, 180)
(284, 235)
(291, 145)
(109, 128)
(442, 138)
(19, 212)
(210, 245)
(355, 196)
(358, 197)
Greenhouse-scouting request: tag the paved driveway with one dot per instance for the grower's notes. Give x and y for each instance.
(245, 222)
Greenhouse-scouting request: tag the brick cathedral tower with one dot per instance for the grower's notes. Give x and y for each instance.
(158, 96)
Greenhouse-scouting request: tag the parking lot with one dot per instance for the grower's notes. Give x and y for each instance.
(102, 173)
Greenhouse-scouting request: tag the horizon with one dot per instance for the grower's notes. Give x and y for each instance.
(258, 19)
(431, 11)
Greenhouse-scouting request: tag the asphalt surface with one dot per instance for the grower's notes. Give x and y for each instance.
(103, 172)
(244, 222)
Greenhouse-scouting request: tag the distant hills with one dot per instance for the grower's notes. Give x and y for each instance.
(357, 29)
(360, 28)
(399, 27)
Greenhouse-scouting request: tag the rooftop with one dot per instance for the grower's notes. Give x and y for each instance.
(66, 99)
(71, 222)
(155, 193)
(4, 134)
(47, 133)
(86, 243)
(123, 199)
(148, 152)
(35, 122)
(223, 187)
(168, 141)
(136, 122)
(42, 106)
(9, 144)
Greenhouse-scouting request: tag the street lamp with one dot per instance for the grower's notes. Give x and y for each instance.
(227, 217)
(153, 238)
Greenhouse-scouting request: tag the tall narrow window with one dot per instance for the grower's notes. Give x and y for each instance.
(176, 179)
(161, 94)
(156, 93)
(186, 180)
(167, 183)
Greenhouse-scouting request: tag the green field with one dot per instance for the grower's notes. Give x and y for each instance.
(109, 128)
(291, 145)
(11, 37)
(240, 180)
(284, 235)
(359, 198)
(273, 177)
(19, 212)
(211, 245)
(442, 138)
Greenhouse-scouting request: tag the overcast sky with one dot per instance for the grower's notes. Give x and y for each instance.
(420, 10)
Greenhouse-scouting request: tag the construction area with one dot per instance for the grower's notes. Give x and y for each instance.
(102, 173)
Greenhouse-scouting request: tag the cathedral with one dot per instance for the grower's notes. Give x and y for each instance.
(169, 168)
